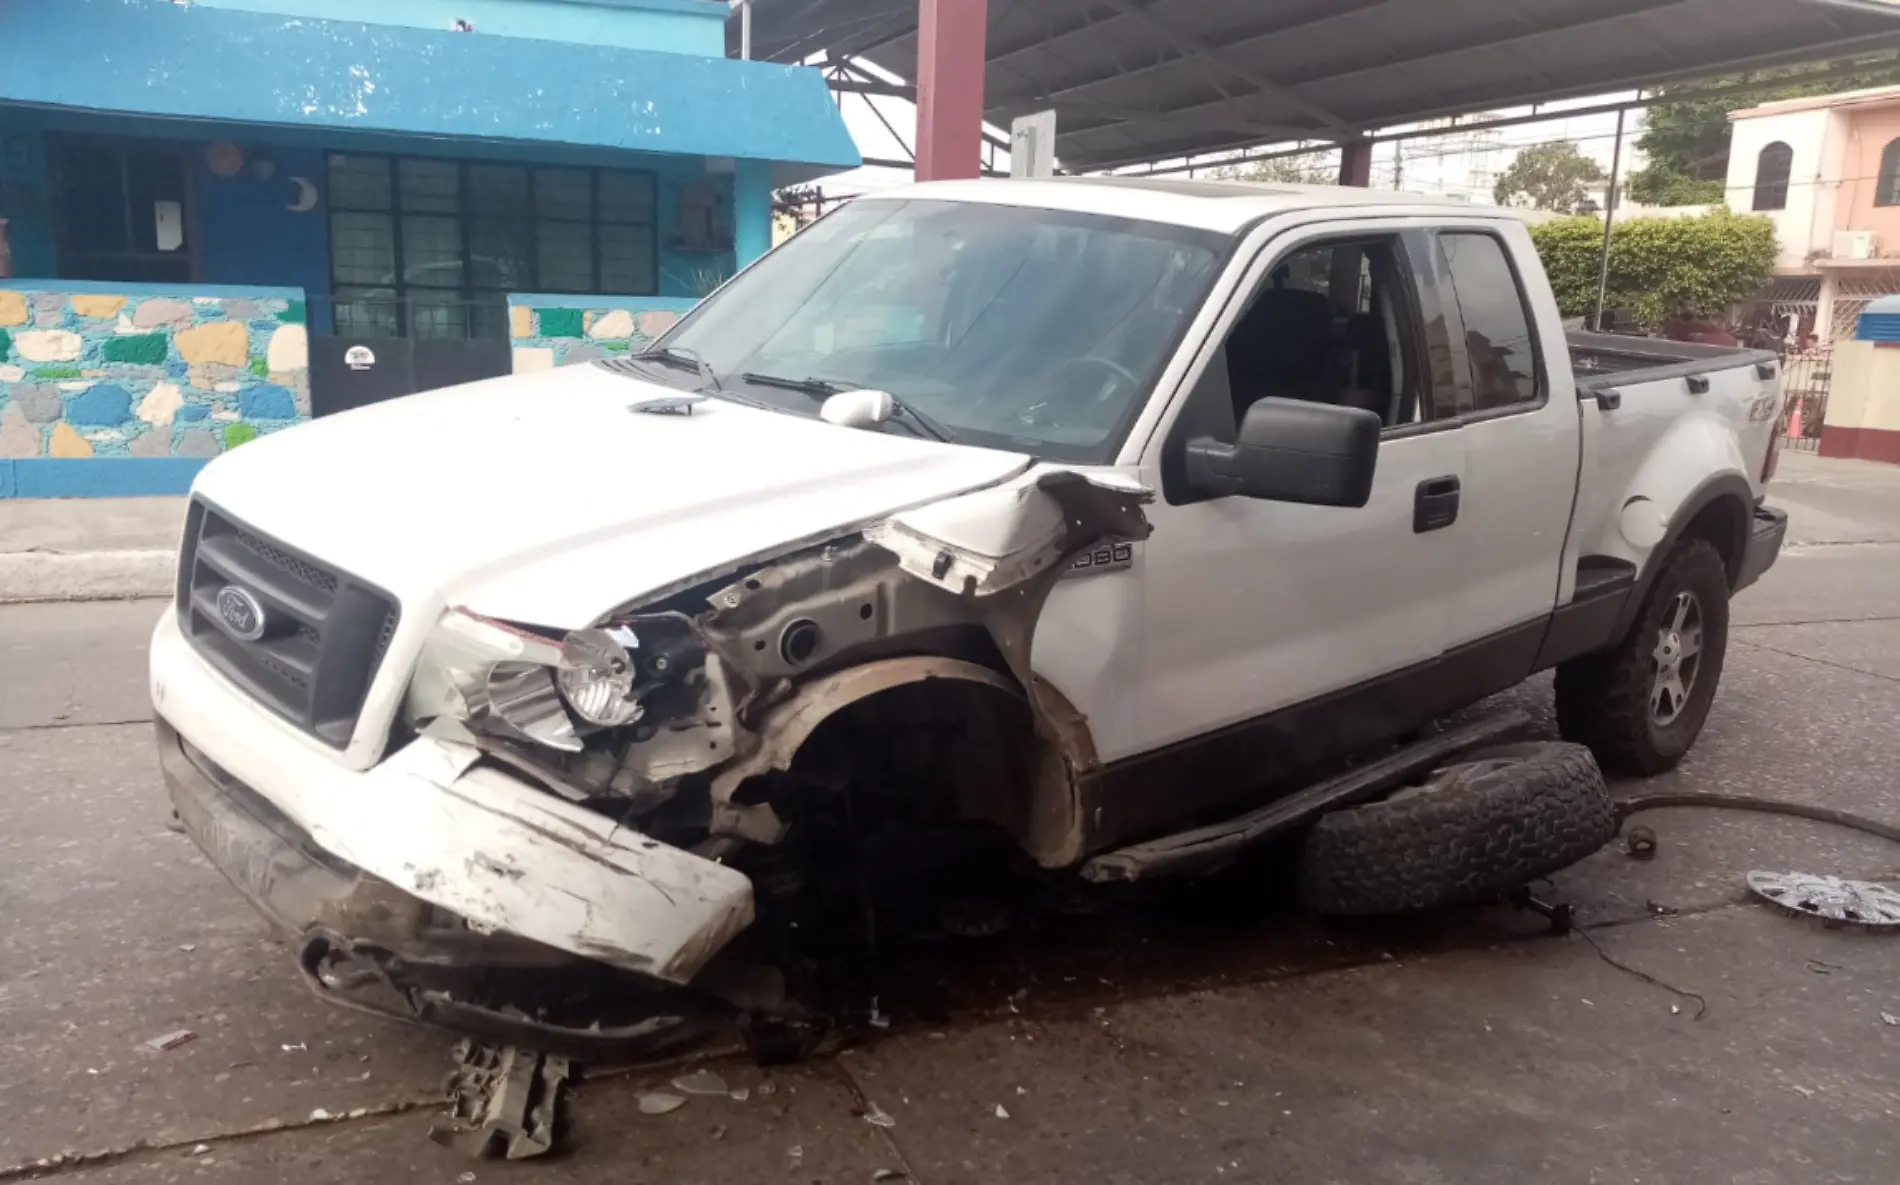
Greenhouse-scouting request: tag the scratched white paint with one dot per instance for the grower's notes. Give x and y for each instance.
(476, 841)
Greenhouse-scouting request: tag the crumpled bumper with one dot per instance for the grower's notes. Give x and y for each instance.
(430, 887)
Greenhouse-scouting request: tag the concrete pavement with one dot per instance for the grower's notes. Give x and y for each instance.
(1208, 1033)
(77, 549)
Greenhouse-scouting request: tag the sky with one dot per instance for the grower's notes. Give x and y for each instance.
(1459, 164)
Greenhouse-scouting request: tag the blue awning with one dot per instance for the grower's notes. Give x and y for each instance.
(158, 58)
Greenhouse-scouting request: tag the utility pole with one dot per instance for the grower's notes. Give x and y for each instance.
(1610, 197)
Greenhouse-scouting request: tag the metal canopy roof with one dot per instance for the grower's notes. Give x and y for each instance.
(1142, 80)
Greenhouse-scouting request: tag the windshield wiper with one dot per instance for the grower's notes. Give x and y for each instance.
(825, 388)
(681, 356)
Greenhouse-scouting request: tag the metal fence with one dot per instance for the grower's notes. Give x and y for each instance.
(1783, 317)
(1806, 375)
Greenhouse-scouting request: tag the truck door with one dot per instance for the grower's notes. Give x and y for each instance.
(1515, 398)
(1272, 633)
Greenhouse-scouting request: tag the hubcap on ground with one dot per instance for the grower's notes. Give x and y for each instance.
(1677, 658)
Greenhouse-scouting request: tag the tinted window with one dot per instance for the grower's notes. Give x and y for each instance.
(1498, 345)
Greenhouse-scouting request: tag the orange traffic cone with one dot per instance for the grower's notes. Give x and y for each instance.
(1794, 422)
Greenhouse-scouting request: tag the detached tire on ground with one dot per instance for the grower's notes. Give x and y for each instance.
(1497, 820)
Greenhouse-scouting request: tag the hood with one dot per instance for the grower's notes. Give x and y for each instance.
(543, 498)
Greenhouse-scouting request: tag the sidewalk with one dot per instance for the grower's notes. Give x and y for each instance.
(88, 549)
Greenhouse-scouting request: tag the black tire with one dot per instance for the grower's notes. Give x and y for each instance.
(1603, 700)
(1499, 819)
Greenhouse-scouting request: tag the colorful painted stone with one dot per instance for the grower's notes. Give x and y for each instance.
(106, 405)
(225, 342)
(67, 442)
(97, 307)
(49, 345)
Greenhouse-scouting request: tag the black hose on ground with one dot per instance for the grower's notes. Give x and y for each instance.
(1773, 806)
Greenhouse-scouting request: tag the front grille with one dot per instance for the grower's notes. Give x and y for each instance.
(325, 632)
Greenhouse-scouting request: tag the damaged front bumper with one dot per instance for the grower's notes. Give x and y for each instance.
(432, 888)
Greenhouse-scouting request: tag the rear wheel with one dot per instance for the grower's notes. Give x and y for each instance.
(1640, 706)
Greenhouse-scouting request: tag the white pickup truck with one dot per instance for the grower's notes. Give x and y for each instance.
(1099, 514)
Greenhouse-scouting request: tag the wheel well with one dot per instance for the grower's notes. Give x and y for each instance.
(1723, 523)
(937, 751)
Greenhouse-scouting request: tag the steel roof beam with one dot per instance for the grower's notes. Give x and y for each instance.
(1189, 44)
(1340, 11)
(1457, 49)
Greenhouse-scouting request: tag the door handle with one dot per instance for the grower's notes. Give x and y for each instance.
(1435, 506)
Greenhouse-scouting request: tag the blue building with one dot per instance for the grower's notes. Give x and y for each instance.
(225, 216)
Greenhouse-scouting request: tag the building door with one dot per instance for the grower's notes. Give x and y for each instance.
(123, 210)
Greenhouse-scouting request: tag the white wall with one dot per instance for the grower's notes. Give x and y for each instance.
(1806, 224)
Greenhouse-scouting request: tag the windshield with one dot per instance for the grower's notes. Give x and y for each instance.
(1034, 330)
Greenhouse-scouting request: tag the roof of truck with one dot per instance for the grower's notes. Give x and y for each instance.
(1225, 206)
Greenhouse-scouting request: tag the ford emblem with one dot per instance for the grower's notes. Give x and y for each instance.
(242, 613)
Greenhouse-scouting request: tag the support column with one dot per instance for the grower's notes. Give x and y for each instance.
(751, 210)
(1824, 310)
(951, 36)
(1355, 163)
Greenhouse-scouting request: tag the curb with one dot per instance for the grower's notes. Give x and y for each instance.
(27, 576)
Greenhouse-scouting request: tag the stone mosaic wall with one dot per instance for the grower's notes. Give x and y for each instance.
(146, 372)
(552, 331)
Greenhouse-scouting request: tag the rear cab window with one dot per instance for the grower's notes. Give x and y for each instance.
(1490, 326)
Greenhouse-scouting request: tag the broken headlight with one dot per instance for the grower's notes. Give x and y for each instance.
(488, 676)
(597, 674)
(504, 680)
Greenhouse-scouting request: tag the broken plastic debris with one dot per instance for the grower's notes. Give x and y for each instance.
(701, 1082)
(876, 1117)
(1888, 1018)
(465, 1178)
(767, 1088)
(740, 1094)
(298, 1047)
(1002, 1112)
(171, 1040)
(656, 1102)
(319, 1115)
(199, 1149)
(189, 947)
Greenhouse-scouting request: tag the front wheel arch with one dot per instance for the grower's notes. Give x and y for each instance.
(1042, 810)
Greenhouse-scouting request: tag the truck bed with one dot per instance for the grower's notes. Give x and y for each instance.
(1606, 359)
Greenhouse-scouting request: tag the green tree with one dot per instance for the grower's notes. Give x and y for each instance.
(1705, 264)
(1548, 176)
(1685, 142)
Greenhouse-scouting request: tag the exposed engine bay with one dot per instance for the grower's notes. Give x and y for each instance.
(754, 718)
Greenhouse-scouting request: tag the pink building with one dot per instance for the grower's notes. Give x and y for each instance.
(1827, 171)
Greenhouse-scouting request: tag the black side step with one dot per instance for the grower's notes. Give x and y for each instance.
(1205, 849)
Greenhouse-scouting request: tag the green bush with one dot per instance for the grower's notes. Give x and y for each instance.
(1707, 264)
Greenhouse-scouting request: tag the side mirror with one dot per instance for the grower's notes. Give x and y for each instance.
(1315, 454)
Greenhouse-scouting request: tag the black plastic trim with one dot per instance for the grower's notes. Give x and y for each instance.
(1589, 622)
(1766, 533)
(1200, 779)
